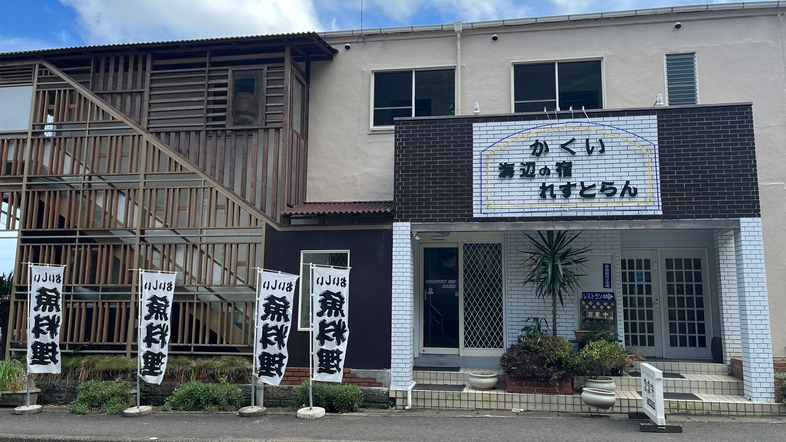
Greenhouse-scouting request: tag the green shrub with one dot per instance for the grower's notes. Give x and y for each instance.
(599, 330)
(102, 397)
(334, 398)
(211, 397)
(543, 358)
(601, 358)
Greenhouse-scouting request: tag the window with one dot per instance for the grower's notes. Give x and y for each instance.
(557, 86)
(247, 97)
(338, 258)
(15, 108)
(412, 94)
(682, 85)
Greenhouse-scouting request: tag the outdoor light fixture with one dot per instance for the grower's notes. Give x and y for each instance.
(476, 109)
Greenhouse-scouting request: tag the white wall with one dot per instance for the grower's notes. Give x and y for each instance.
(740, 59)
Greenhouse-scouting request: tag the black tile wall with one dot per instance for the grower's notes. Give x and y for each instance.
(707, 165)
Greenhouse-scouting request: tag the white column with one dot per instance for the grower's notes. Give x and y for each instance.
(754, 312)
(401, 339)
(728, 296)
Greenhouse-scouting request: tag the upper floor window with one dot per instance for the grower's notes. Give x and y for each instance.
(247, 97)
(412, 93)
(682, 85)
(557, 86)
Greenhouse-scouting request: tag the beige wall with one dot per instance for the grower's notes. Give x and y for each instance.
(740, 59)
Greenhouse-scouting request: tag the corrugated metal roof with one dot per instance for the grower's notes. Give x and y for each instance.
(344, 208)
(296, 37)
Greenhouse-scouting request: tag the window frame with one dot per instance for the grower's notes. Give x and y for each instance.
(556, 61)
(230, 119)
(695, 78)
(305, 266)
(413, 70)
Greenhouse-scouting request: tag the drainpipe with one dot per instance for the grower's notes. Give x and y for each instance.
(458, 27)
(409, 395)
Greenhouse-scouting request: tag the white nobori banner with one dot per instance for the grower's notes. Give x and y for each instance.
(45, 316)
(156, 293)
(330, 329)
(275, 294)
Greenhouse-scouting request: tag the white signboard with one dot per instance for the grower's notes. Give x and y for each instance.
(275, 292)
(652, 394)
(330, 295)
(599, 167)
(45, 315)
(155, 306)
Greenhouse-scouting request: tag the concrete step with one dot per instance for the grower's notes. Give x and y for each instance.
(682, 367)
(718, 384)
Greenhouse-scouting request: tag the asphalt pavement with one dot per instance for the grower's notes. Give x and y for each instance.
(56, 424)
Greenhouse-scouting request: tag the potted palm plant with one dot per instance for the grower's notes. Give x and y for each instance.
(554, 269)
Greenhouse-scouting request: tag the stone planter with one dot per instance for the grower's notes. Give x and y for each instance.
(600, 382)
(17, 398)
(483, 380)
(596, 397)
(513, 385)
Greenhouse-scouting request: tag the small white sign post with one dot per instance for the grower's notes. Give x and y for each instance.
(652, 401)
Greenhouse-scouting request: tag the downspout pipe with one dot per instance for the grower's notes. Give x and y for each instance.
(458, 27)
(409, 395)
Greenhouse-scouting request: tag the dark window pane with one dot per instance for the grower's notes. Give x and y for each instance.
(623, 264)
(678, 264)
(392, 90)
(669, 264)
(683, 341)
(384, 117)
(687, 264)
(672, 327)
(633, 315)
(646, 264)
(697, 264)
(650, 341)
(702, 341)
(650, 327)
(579, 85)
(434, 92)
(534, 82)
(691, 341)
(535, 106)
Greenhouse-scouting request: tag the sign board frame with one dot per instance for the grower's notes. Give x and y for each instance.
(652, 394)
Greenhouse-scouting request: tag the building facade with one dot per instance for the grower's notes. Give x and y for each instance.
(420, 157)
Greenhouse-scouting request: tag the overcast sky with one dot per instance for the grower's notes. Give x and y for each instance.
(38, 24)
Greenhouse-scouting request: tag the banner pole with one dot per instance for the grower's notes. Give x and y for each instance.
(138, 347)
(311, 339)
(29, 309)
(254, 370)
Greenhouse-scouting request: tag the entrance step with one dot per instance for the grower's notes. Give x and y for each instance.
(683, 367)
(687, 383)
(689, 388)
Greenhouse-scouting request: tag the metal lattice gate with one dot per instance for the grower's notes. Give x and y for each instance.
(483, 296)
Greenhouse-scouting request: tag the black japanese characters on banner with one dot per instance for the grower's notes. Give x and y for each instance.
(275, 292)
(330, 297)
(45, 316)
(155, 304)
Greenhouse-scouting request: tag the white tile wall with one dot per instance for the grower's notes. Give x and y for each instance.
(754, 312)
(631, 154)
(401, 345)
(521, 302)
(729, 298)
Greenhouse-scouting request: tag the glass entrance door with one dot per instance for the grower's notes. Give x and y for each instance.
(441, 297)
(665, 301)
(641, 302)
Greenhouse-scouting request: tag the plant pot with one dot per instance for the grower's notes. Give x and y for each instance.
(596, 397)
(600, 382)
(17, 398)
(581, 335)
(483, 380)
